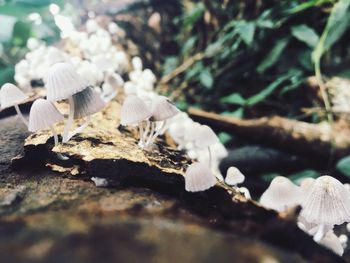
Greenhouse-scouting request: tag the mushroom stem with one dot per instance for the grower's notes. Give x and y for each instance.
(80, 128)
(150, 135)
(108, 97)
(69, 121)
(210, 156)
(148, 125)
(19, 113)
(141, 131)
(159, 130)
(55, 138)
(320, 233)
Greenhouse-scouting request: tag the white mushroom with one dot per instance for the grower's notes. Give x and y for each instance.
(43, 115)
(62, 82)
(11, 96)
(234, 176)
(281, 194)
(134, 112)
(199, 177)
(327, 203)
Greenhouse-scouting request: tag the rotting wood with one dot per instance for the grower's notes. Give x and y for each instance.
(109, 151)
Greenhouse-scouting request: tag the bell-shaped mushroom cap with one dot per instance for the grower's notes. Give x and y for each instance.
(10, 95)
(234, 176)
(199, 178)
(281, 194)
(43, 114)
(327, 202)
(331, 241)
(87, 102)
(62, 82)
(163, 108)
(205, 137)
(133, 111)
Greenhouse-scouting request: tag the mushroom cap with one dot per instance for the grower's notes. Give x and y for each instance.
(327, 202)
(10, 95)
(199, 178)
(332, 242)
(137, 63)
(163, 108)
(43, 114)
(205, 137)
(281, 194)
(62, 81)
(133, 111)
(87, 102)
(234, 176)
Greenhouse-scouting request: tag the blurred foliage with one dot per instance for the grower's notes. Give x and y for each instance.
(20, 20)
(250, 58)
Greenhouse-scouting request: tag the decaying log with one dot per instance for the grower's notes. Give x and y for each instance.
(24, 106)
(109, 151)
(315, 140)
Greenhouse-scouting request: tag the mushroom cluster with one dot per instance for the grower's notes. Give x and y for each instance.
(325, 202)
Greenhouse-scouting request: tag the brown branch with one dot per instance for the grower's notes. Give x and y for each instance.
(297, 136)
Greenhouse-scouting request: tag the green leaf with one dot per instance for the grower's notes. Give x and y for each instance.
(306, 35)
(6, 75)
(262, 95)
(206, 78)
(273, 56)
(343, 166)
(169, 65)
(21, 33)
(302, 7)
(224, 137)
(246, 31)
(299, 176)
(234, 98)
(194, 15)
(337, 23)
(189, 44)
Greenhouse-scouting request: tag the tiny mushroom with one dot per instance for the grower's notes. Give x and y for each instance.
(87, 103)
(134, 112)
(234, 176)
(62, 82)
(43, 115)
(112, 83)
(11, 96)
(327, 203)
(199, 177)
(204, 138)
(162, 109)
(281, 194)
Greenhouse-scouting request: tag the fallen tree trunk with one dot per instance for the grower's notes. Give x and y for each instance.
(109, 151)
(316, 140)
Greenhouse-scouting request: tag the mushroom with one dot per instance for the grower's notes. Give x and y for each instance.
(162, 110)
(43, 115)
(234, 176)
(198, 178)
(134, 112)
(281, 194)
(113, 82)
(87, 103)
(62, 82)
(11, 96)
(204, 138)
(327, 203)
